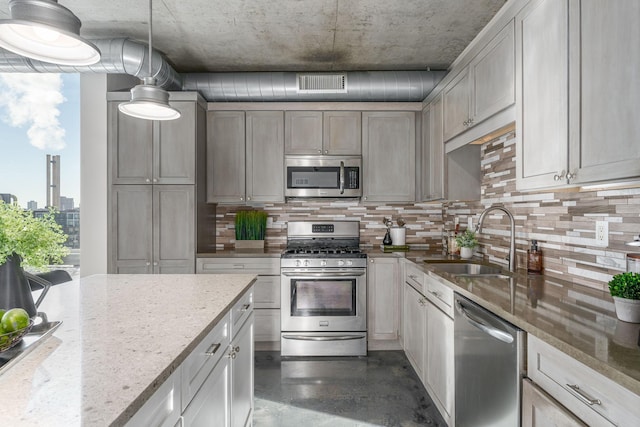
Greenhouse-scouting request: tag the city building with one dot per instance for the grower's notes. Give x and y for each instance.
(66, 203)
(32, 205)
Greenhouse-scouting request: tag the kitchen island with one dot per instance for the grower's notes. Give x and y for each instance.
(121, 338)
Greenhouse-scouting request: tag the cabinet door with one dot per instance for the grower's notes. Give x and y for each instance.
(493, 76)
(542, 94)
(439, 366)
(389, 150)
(541, 410)
(162, 409)
(382, 294)
(607, 87)
(342, 133)
(225, 157)
(267, 324)
(174, 151)
(130, 228)
(303, 132)
(432, 152)
(242, 375)
(130, 148)
(457, 99)
(174, 229)
(265, 156)
(210, 406)
(414, 322)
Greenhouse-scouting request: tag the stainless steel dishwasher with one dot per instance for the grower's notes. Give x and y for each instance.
(489, 359)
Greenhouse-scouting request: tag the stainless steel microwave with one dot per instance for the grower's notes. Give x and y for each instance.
(323, 176)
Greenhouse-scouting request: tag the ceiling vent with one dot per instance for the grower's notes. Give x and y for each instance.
(322, 83)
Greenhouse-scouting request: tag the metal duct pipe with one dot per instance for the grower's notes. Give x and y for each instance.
(124, 56)
(118, 56)
(362, 86)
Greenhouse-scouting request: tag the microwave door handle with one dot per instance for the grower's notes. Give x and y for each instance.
(341, 177)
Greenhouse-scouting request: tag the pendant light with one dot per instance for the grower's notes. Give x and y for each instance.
(149, 101)
(46, 31)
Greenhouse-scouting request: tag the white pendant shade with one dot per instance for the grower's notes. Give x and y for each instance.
(46, 31)
(149, 102)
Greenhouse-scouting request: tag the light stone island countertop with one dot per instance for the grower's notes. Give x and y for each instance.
(121, 337)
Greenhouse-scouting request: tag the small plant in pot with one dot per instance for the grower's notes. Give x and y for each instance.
(625, 290)
(251, 227)
(467, 242)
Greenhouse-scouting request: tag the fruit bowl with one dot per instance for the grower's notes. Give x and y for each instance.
(10, 339)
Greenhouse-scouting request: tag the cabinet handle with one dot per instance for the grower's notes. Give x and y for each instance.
(435, 294)
(248, 198)
(465, 123)
(236, 349)
(148, 263)
(371, 261)
(571, 176)
(241, 198)
(413, 276)
(421, 301)
(155, 263)
(245, 307)
(326, 151)
(469, 122)
(558, 177)
(212, 349)
(155, 179)
(365, 197)
(583, 396)
(147, 180)
(319, 151)
(232, 354)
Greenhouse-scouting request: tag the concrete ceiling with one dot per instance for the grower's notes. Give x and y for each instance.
(292, 35)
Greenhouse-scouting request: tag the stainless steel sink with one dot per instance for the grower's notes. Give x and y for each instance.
(470, 269)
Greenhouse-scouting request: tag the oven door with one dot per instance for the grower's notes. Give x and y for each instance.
(317, 301)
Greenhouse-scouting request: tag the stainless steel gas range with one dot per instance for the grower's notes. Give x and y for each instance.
(324, 290)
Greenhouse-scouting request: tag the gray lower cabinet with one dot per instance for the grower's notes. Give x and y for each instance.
(574, 109)
(414, 324)
(214, 384)
(152, 229)
(153, 152)
(245, 156)
(541, 410)
(383, 293)
(389, 156)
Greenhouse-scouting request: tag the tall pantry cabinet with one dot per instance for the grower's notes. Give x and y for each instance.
(153, 195)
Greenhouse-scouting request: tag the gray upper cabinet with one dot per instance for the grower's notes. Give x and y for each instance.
(245, 152)
(432, 171)
(323, 133)
(568, 133)
(152, 229)
(389, 156)
(225, 157)
(153, 152)
(265, 156)
(483, 88)
(604, 129)
(542, 69)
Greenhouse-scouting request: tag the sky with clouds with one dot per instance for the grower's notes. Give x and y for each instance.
(39, 115)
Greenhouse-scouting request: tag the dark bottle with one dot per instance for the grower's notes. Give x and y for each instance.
(387, 238)
(534, 258)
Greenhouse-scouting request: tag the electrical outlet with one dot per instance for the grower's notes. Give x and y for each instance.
(602, 233)
(470, 223)
(269, 221)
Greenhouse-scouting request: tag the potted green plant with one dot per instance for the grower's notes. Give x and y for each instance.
(467, 242)
(625, 290)
(251, 227)
(26, 241)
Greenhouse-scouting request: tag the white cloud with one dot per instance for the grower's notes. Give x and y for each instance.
(32, 100)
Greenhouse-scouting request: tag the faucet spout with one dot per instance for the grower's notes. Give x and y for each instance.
(512, 239)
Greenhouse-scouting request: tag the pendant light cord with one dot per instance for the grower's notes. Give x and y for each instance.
(150, 34)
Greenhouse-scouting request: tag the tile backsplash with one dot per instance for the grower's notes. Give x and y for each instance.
(563, 222)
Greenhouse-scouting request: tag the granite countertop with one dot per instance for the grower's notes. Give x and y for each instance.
(578, 320)
(121, 337)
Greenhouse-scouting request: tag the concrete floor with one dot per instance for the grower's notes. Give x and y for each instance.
(379, 390)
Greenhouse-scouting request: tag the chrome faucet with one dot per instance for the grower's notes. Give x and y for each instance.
(512, 246)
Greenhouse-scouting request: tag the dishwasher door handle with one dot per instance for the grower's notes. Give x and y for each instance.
(488, 329)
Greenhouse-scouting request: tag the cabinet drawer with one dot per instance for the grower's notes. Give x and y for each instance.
(266, 292)
(199, 364)
(439, 294)
(241, 311)
(572, 384)
(161, 410)
(267, 324)
(231, 265)
(414, 276)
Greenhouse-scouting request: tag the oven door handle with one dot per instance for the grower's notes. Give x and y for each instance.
(341, 177)
(323, 338)
(326, 275)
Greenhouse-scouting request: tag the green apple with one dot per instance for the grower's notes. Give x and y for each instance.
(14, 320)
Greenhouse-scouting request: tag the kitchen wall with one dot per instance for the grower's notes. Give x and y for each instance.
(563, 222)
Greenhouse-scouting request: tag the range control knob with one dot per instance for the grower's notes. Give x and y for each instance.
(349, 262)
(340, 263)
(323, 263)
(305, 263)
(298, 263)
